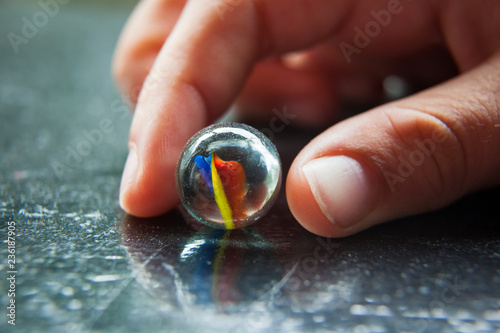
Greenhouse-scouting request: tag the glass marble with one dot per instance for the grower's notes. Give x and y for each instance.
(228, 175)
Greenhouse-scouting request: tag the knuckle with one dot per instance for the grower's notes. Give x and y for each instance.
(430, 154)
(478, 132)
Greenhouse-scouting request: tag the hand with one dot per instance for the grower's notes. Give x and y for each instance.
(414, 155)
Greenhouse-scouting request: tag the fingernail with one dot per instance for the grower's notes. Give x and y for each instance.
(129, 173)
(341, 188)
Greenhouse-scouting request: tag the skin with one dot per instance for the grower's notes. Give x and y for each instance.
(263, 54)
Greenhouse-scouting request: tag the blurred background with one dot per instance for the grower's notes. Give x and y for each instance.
(82, 265)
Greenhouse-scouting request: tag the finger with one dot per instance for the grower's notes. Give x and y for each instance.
(350, 82)
(152, 21)
(312, 83)
(186, 89)
(141, 41)
(199, 71)
(407, 157)
(308, 95)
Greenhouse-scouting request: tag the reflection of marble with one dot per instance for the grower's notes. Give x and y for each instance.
(210, 267)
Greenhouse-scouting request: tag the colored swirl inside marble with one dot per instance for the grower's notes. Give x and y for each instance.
(228, 176)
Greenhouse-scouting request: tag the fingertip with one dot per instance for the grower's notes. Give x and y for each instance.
(332, 191)
(144, 188)
(144, 198)
(128, 178)
(306, 209)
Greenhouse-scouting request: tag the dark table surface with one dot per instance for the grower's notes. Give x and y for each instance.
(82, 265)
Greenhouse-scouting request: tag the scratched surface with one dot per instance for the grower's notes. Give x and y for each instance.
(84, 266)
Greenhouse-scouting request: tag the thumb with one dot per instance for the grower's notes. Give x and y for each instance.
(411, 156)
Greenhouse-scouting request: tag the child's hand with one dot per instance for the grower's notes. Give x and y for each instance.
(414, 155)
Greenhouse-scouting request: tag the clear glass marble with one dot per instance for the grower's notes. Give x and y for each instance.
(228, 175)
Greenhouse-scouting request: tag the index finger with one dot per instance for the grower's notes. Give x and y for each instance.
(181, 95)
